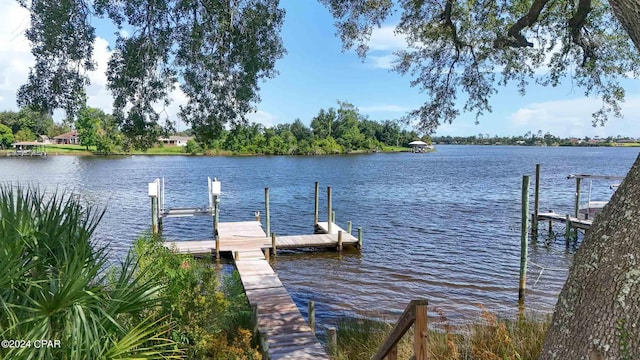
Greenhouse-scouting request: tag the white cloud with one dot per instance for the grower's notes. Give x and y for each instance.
(385, 39)
(383, 108)
(262, 117)
(572, 117)
(381, 61)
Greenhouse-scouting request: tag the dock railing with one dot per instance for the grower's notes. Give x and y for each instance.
(415, 313)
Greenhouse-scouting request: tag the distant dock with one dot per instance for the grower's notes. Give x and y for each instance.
(284, 333)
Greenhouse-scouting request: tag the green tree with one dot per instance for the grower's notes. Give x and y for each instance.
(300, 130)
(53, 285)
(216, 51)
(6, 136)
(88, 125)
(322, 124)
(462, 47)
(25, 135)
(346, 127)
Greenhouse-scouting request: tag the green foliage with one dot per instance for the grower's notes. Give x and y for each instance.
(6, 136)
(209, 317)
(95, 128)
(52, 285)
(489, 338)
(61, 38)
(464, 49)
(25, 135)
(192, 147)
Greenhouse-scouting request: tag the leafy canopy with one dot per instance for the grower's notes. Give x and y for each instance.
(214, 51)
(463, 49)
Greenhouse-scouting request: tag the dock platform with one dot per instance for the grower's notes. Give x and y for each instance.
(288, 334)
(573, 221)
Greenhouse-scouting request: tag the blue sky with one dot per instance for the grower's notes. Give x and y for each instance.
(316, 73)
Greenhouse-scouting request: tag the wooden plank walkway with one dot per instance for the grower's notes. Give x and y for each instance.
(575, 222)
(289, 336)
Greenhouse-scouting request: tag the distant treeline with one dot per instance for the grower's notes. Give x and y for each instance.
(332, 131)
(532, 139)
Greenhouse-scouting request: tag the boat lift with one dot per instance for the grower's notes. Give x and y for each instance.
(159, 211)
(591, 208)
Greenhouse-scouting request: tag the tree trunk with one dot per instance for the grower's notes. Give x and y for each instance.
(628, 13)
(598, 311)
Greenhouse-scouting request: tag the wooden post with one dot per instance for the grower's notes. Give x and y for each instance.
(216, 214)
(421, 333)
(393, 353)
(333, 341)
(315, 206)
(524, 238)
(264, 342)
(536, 205)
(257, 213)
(154, 229)
(567, 232)
(266, 205)
(577, 207)
(217, 247)
(312, 316)
(360, 238)
(236, 255)
(254, 319)
(266, 254)
(339, 248)
(550, 228)
(349, 227)
(273, 244)
(333, 217)
(329, 209)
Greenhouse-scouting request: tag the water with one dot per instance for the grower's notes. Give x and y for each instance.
(444, 226)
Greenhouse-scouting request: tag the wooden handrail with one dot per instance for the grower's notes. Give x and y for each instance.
(415, 312)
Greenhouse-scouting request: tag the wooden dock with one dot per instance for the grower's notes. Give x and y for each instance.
(288, 334)
(574, 222)
(284, 333)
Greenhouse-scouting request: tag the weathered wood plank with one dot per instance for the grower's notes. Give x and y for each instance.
(575, 222)
(288, 334)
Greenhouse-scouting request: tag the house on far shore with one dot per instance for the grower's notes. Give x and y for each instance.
(420, 146)
(175, 140)
(69, 138)
(45, 139)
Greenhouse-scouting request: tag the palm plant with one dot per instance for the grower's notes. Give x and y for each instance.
(53, 285)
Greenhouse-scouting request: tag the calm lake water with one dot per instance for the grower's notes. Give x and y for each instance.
(444, 226)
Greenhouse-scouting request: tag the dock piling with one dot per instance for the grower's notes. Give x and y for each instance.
(266, 254)
(217, 247)
(536, 205)
(333, 340)
(360, 238)
(577, 205)
(273, 244)
(266, 205)
(329, 211)
(524, 239)
(312, 316)
(567, 232)
(154, 228)
(349, 227)
(339, 248)
(315, 211)
(257, 213)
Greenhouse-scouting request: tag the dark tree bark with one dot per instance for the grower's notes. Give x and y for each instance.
(598, 311)
(628, 13)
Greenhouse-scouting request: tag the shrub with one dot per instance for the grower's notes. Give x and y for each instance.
(52, 285)
(209, 317)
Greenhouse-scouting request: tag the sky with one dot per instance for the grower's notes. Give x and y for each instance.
(316, 73)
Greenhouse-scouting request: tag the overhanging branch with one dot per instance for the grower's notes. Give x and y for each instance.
(514, 38)
(576, 25)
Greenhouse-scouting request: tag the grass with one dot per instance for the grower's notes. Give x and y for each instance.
(488, 339)
(395, 149)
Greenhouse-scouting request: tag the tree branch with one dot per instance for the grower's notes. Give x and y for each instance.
(576, 24)
(514, 38)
